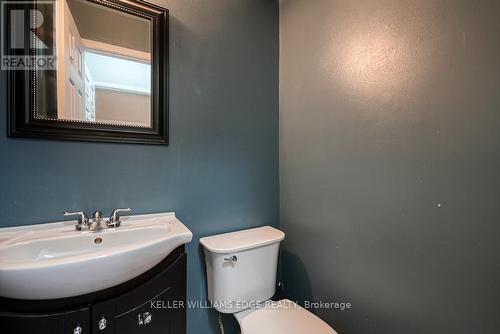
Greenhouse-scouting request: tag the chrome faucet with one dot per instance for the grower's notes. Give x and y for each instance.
(114, 219)
(97, 222)
(83, 220)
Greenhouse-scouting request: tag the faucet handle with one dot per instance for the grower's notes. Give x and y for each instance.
(114, 219)
(83, 219)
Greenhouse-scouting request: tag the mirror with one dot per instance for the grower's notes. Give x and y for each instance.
(108, 81)
(103, 70)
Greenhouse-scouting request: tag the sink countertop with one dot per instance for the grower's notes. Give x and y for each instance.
(53, 260)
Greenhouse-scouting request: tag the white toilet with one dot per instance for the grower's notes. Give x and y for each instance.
(241, 278)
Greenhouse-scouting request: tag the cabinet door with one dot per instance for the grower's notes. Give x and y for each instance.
(157, 306)
(71, 322)
(151, 317)
(32, 323)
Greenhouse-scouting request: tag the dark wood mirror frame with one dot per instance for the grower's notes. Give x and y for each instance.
(22, 103)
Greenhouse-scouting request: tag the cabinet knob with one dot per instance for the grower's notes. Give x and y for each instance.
(147, 318)
(78, 330)
(144, 318)
(102, 324)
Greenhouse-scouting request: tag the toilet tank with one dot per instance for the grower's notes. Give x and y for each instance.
(241, 267)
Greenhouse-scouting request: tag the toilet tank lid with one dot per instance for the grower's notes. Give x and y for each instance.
(242, 240)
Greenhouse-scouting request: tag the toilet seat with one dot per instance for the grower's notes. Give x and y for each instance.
(282, 317)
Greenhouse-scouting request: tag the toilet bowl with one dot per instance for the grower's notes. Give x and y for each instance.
(281, 317)
(241, 279)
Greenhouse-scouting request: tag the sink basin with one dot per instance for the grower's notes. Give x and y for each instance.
(50, 261)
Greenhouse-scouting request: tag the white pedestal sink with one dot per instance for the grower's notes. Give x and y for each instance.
(49, 261)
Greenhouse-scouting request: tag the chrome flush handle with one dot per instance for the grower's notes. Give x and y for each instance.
(231, 259)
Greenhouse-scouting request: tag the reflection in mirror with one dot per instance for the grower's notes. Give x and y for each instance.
(103, 67)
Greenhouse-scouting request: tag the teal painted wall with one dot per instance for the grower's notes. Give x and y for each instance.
(220, 171)
(390, 162)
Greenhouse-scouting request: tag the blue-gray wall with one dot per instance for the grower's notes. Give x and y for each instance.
(220, 172)
(390, 162)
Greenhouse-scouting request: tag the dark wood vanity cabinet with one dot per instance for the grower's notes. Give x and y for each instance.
(153, 304)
